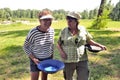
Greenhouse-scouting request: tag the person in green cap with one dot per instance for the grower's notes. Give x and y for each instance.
(71, 45)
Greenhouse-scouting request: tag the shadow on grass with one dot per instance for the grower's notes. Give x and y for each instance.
(17, 33)
(14, 63)
(99, 72)
(114, 61)
(11, 51)
(109, 66)
(108, 41)
(101, 32)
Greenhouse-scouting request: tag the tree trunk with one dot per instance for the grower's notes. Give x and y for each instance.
(101, 8)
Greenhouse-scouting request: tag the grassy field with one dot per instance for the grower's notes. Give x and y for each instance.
(14, 63)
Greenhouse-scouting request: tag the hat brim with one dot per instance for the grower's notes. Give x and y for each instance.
(71, 16)
(47, 17)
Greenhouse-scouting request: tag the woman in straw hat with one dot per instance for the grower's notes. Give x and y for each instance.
(39, 44)
(71, 45)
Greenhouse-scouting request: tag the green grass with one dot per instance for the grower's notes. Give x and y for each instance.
(14, 63)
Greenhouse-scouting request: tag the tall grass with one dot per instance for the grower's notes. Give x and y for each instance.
(14, 63)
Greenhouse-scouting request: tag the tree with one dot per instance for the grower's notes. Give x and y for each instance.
(102, 5)
(102, 16)
(91, 14)
(85, 14)
(115, 14)
(95, 11)
(59, 14)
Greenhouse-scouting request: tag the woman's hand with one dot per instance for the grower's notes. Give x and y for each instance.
(36, 61)
(63, 55)
(103, 47)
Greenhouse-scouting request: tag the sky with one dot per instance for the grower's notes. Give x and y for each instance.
(68, 5)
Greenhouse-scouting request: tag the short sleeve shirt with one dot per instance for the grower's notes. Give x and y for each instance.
(73, 46)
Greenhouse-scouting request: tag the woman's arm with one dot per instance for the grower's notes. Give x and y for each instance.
(62, 53)
(91, 42)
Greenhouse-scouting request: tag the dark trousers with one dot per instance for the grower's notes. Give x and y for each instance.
(81, 68)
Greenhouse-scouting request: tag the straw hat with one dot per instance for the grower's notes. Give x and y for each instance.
(74, 15)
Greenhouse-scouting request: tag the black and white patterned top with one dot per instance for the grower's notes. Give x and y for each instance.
(39, 43)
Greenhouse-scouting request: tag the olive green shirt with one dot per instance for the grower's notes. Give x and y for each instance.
(74, 46)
